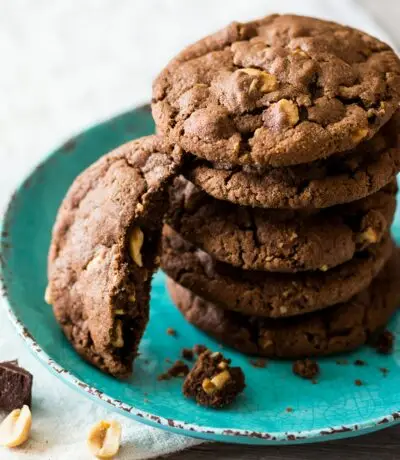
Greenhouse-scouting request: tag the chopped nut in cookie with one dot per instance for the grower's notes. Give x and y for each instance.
(135, 245)
(213, 382)
(263, 81)
(283, 114)
(117, 338)
(307, 369)
(368, 236)
(359, 134)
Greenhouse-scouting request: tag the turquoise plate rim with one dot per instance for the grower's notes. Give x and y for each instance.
(176, 426)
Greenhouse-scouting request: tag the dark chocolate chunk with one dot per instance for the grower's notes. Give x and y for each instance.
(15, 386)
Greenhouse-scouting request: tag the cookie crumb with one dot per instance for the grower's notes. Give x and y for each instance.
(178, 369)
(384, 343)
(199, 349)
(358, 382)
(171, 332)
(306, 368)
(385, 371)
(187, 353)
(212, 382)
(342, 362)
(260, 363)
(359, 362)
(289, 409)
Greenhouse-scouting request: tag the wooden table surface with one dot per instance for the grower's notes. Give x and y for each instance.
(383, 445)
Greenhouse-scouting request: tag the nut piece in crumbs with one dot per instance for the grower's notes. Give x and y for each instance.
(213, 382)
(104, 439)
(16, 427)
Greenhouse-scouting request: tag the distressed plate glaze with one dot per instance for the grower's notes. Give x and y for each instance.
(334, 408)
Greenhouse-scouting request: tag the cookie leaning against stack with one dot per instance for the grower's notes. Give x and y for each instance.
(104, 250)
(281, 224)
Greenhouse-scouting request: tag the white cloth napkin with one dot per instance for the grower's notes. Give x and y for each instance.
(66, 65)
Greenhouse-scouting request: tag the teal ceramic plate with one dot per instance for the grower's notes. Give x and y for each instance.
(333, 408)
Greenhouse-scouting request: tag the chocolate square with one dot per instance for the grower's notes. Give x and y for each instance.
(15, 386)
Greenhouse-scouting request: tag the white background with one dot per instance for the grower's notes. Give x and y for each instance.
(65, 65)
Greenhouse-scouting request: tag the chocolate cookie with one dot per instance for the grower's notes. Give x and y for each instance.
(264, 293)
(213, 382)
(279, 240)
(334, 330)
(104, 250)
(341, 178)
(278, 91)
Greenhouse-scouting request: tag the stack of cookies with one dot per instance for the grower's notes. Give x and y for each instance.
(277, 240)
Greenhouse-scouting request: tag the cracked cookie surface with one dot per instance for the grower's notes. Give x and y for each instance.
(279, 240)
(339, 179)
(337, 329)
(279, 91)
(265, 293)
(104, 249)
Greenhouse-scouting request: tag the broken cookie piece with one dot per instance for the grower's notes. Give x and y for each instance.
(104, 250)
(15, 386)
(213, 382)
(306, 368)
